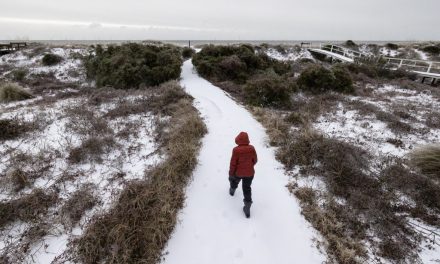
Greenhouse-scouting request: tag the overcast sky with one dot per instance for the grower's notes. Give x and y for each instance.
(220, 19)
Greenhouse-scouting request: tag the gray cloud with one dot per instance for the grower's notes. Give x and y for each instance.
(226, 19)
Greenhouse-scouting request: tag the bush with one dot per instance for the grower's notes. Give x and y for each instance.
(318, 79)
(350, 43)
(51, 59)
(19, 74)
(269, 90)
(11, 129)
(343, 82)
(433, 50)
(392, 46)
(91, 149)
(427, 160)
(235, 63)
(13, 92)
(132, 65)
(187, 52)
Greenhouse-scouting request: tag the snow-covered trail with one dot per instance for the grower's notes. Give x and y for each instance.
(213, 228)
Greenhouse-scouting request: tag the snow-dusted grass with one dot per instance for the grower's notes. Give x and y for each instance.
(47, 150)
(290, 54)
(69, 70)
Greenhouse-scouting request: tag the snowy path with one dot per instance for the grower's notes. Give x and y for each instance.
(212, 228)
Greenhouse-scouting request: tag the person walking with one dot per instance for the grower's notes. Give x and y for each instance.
(241, 168)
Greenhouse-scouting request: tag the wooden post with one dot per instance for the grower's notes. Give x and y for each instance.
(423, 79)
(189, 43)
(433, 81)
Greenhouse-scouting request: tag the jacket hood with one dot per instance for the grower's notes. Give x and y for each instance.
(242, 139)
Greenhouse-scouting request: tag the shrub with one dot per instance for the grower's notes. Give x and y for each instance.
(318, 79)
(19, 179)
(50, 59)
(427, 160)
(350, 43)
(11, 129)
(79, 202)
(235, 63)
(27, 208)
(234, 68)
(433, 50)
(269, 90)
(132, 65)
(187, 52)
(19, 74)
(343, 82)
(91, 149)
(392, 46)
(13, 92)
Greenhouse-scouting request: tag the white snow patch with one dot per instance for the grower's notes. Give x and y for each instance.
(291, 54)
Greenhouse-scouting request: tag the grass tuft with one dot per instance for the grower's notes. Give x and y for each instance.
(13, 92)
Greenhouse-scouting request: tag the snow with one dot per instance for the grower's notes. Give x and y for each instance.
(212, 227)
(68, 70)
(388, 52)
(422, 54)
(132, 157)
(290, 55)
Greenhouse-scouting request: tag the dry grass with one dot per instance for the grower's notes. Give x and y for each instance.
(13, 92)
(28, 208)
(13, 128)
(91, 149)
(140, 223)
(393, 121)
(427, 160)
(357, 205)
(77, 204)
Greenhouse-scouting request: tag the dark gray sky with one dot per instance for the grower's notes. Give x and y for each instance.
(221, 19)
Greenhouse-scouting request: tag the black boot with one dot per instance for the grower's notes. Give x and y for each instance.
(247, 209)
(231, 191)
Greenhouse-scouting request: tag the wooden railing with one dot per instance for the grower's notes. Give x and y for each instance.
(415, 65)
(337, 49)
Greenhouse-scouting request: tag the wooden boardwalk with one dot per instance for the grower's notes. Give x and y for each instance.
(425, 69)
(12, 46)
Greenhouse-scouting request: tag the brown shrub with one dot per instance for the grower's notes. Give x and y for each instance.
(27, 208)
(19, 179)
(79, 202)
(14, 128)
(91, 149)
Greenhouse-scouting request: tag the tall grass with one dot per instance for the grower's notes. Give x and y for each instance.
(427, 160)
(13, 92)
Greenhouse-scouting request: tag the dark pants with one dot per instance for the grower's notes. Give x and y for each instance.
(246, 185)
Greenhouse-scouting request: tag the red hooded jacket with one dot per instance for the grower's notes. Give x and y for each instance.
(244, 157)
